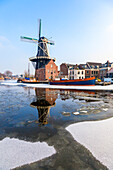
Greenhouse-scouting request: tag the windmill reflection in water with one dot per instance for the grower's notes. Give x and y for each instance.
(45, 99)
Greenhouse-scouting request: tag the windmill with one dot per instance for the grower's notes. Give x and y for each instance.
(42, 57)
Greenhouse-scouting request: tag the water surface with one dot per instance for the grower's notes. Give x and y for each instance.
(42, 114)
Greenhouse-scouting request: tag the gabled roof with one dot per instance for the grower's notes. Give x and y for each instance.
(94, 63)
(110, 71)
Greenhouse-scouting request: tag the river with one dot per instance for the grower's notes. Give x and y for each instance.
(35, 122)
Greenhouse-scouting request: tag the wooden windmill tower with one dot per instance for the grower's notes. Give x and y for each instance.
(42, 58)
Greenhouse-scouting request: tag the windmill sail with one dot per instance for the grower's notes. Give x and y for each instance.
(28, 39)
(39, 28)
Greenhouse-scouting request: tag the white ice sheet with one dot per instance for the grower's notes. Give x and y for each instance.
(97, 136)
(15, 152)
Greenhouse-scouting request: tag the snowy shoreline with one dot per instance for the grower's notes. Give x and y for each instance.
(97, 87)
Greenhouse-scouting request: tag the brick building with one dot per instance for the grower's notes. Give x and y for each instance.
(103, 72)
(64, 69)
(48, 71)
(92, 69)
(110, 73)
(91, 73)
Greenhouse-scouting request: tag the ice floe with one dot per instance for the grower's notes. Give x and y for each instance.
(76, 113)
(97, 136)
(105, 109)
(83, 111)
(66, 113)
(15, 152)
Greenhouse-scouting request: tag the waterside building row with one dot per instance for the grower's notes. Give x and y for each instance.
(90, 69)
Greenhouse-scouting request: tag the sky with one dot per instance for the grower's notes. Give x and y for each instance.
(81, 29)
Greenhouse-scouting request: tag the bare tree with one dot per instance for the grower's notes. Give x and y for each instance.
(8, 73)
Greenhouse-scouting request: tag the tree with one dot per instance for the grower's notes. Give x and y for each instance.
(8, 73)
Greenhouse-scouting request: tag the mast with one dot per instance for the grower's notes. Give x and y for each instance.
(28, 69)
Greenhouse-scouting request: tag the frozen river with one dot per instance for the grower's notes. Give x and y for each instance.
(44, 128)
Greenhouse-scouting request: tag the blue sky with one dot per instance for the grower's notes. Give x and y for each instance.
(82, 31)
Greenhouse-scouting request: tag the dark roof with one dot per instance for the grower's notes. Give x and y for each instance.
(83, 66)
(110, 71)
(93, 63)
(69, 65)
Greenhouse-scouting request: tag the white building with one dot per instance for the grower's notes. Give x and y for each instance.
(75, 73)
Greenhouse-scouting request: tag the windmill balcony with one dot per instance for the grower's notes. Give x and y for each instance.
(41, 57)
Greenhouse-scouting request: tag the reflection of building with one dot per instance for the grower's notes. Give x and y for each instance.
(45, 100)
(72, 93)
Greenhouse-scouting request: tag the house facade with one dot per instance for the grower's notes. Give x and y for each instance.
(91, 73)
(110, 73)
(90, 69)
(75, 73)
(64, 67)
(49, 71)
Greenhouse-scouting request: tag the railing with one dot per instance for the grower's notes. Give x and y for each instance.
(41, 57)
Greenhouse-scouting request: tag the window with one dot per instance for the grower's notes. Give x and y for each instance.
(87, 72)
(79, 77)
(51, 65)
(92, 72)
(96, 72)
(82, 72)
(48, 71)
(54, 71)
(78, 72)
